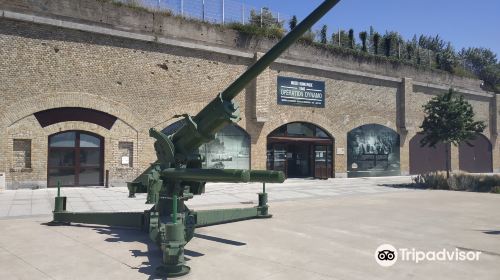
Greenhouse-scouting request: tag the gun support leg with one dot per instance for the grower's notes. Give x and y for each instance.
(60, 203)
(172, 246)
(263, 208)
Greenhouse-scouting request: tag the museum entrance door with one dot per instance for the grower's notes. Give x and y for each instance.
(323, 161)
(75, 158)
(300, 150)
(298, 160)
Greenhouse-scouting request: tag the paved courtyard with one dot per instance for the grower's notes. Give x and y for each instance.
(25, 202)
(320, 230)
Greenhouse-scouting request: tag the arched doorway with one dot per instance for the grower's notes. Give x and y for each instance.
(477, 158)
(427, 159)
(75, 158)
(230, 148)
(372, 150)
(301, 150)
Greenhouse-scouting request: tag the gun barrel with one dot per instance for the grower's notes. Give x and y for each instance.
(222, 110)
(207, 175)
(239, 84)
(265, 176)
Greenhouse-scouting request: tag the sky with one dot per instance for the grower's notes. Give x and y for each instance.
(463, 23)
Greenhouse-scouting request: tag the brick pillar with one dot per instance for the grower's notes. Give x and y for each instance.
(340, 156)
(262, 93)
(405, 89)
(495, 128)
(3, 152)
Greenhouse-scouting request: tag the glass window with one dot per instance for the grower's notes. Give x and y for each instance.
(126, 153)
(300, 129)
(90, 157)
(75, 163)
(62, 157)
(21, 153)
(66, 139)
(66, 176)
(279, 160)
(230, 149)
(89, 141)
(281, 131)
(89, 176)
(320, 133)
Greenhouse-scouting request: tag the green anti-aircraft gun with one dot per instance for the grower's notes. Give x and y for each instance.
(177, 174)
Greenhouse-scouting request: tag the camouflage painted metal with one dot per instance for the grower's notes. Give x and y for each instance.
(177, 174)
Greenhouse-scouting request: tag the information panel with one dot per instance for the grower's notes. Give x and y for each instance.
(299, 92)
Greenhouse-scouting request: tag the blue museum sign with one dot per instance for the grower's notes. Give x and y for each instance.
(299, 92)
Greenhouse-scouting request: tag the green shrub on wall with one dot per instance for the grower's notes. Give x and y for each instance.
(424, 52)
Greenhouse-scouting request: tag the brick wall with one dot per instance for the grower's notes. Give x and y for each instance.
(144, 84)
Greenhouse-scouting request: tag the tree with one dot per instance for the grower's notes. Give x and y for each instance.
(344, 39)
(491, 77)
(446, 59)
(264, 19)
(435, 44)
(308, 37)
(483, 63)
(391, 43)
(323, 35)
(293, 22)
(449, 119)
(351, 38)
(376, 41)
(362, 36)
(409, 51)
(476, 59)
(387, 45)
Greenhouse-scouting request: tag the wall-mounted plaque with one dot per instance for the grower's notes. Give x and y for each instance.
(299, 92)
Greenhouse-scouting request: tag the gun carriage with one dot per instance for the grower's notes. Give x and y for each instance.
(177, 175)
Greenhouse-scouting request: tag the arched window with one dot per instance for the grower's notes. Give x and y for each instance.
(372, 150)
(76, 158)
(300, 150)
(299, 129)
(230, 149)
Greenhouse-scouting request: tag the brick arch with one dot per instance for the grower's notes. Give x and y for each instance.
(315, 119)
(371, 120)
(170, 122)
(26, 107)
(167, 117)
(71, 125)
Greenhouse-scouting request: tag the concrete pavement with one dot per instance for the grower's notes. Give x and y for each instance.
(25, 202)
(312, 237)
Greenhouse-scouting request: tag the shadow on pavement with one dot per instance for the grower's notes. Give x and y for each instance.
(493, 232)
(153, 252)
(119, 234)
(218, 239)
(404, 186)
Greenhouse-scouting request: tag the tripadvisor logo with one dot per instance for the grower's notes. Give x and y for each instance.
(387, 255)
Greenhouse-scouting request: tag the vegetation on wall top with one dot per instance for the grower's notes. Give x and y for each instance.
(430, 52)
